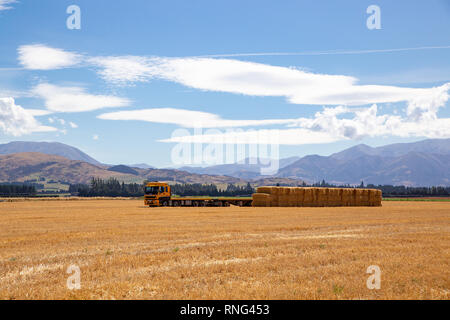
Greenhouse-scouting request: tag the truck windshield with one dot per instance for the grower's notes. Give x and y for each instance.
(151, 190)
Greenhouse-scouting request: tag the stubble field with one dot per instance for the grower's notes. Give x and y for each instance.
(127, 251)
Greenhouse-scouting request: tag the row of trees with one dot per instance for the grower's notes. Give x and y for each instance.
(11, 190)
(393, 191)
(107, 188)
(113, 188)
(198, 189)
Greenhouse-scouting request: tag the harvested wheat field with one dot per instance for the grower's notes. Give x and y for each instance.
(128, 251)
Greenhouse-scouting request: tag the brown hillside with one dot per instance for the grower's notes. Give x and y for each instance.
(31, 165)
(28, 165)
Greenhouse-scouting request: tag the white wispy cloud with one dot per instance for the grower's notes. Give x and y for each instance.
(5, 4)
(39, 112)
(17, 121)
(75, 99)
(188, 118)
(73, 125)
(239, 77)
(41, 57)
(320, 53)
(256, 79)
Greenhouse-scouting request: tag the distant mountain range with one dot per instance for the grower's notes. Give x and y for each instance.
(51, 148)
(422, 163)
(249, 168)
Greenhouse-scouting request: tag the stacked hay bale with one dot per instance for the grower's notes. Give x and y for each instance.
(261, 200)
(375, 197)
(308, 197)
(321, 197)
(293, 197)
(365, 198)
(299, 196)
(335, 197)
(315, 197)
(348, 197)
(282, 197)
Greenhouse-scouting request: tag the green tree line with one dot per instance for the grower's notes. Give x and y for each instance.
(8, 190)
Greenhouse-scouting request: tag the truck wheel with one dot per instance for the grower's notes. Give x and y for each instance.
(175, 204)
(164, 204)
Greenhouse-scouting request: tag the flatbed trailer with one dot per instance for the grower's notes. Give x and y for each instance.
(205, 202)
(158, 194)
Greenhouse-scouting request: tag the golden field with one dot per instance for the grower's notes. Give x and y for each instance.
(128, 251)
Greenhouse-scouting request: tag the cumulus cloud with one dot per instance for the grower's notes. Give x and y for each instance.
(328, 126)
(41, 57)
(187, 118)
(75, 99)
(5, 4)
(17, 121)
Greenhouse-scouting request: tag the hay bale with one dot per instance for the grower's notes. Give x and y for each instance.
(292, 197)
(375, 197)
(275, 196)
(352, 197)
(365, 197)
(362, 197)
(267, 190)
(283, 200)
(348, 197)
(334, 198)
(358, 197)
(299, 196)
(261, 200)
(308, 197)
(321, 197)
(379, 198)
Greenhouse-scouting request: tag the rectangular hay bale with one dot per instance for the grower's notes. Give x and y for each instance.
(261, 200)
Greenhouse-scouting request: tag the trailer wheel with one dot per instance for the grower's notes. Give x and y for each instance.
(165, 204)
(175, 204)
(194, 203)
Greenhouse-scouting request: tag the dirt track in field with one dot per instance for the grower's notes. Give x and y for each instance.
(128, 251)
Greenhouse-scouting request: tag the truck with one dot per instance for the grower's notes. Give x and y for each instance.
(159, 194)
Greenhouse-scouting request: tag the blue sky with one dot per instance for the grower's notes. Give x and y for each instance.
(138, 70)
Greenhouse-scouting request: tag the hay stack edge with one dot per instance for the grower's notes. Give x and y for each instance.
(316, 197)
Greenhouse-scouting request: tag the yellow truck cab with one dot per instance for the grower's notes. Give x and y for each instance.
(157, 194)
